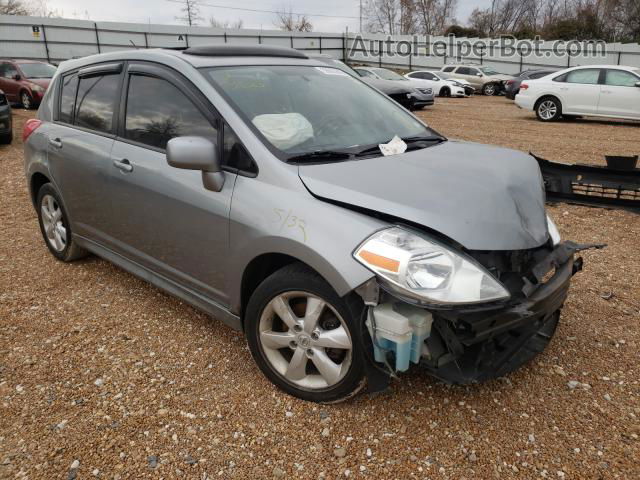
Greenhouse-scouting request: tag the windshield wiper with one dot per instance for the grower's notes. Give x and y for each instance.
(320, 156)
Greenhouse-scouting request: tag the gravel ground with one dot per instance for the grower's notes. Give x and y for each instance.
(103, 375)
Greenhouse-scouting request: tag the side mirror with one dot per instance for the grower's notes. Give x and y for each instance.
(197, 153)
(17, 77)
(478, 74)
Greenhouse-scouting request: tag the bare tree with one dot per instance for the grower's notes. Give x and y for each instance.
(214, 22)
(14, 7)
(190, 13)
(409, 16)
(286, 21)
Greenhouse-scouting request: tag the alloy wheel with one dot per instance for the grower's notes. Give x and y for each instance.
(26, 100)
(547, 110)
(489, 90)
(53, 223)
(305, 340)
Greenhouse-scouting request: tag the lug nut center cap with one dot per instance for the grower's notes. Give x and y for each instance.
(304, 341)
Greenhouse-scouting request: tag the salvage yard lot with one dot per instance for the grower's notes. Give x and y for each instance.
(98, 367)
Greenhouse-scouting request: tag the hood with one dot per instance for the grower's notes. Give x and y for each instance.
(483, 197)
(43, 82)
(388, 87)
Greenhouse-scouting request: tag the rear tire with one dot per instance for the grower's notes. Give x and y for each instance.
(445, 92)
(6, 138)
(319, 358)
(548, 109)
(54, 226)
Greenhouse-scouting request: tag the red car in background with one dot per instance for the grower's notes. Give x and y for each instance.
(25, 81)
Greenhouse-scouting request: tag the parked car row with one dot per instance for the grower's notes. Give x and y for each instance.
(596, 90)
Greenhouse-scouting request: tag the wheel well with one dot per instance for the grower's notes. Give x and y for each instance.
(37, 181)
(545, 97)
(444, 90)
(258, 270)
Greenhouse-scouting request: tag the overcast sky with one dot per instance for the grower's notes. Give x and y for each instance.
(165, 11)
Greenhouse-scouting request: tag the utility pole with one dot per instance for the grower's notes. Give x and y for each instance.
(360, 16)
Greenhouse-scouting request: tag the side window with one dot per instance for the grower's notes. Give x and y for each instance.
(430, 76)
(10, 71)
(448, 69)
(466, 71)
(420, 75)
(234, 154)
(157, 112)
(68, 98)
(533, 76)
(95, 102)
(365, 73)
(587, 76)
(620, 78)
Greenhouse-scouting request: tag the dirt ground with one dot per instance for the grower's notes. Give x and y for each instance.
(104, 376)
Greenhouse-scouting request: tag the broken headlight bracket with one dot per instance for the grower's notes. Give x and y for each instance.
(591, 185)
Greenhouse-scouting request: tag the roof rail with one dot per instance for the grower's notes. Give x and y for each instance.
(243, 51)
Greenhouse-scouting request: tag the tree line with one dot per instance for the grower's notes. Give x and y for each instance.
(608, 20)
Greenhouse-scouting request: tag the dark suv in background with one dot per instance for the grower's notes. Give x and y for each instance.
(25, 81)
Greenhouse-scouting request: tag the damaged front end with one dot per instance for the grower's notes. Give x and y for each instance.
(471, 343)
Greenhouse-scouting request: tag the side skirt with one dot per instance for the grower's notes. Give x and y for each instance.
(197, 300)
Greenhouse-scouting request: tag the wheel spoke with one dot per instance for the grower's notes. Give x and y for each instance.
(283, 310)
(62, 232)
(57, 215)
(329, 370)
(297, 368)
(276, 340)
(50, 204)
(336, 338)
(315, 306)
(57, 241)
(45, 213)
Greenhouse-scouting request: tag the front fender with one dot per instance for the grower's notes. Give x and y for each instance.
(267, 219)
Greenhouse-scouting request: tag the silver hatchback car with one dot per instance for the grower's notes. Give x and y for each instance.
(262, 187)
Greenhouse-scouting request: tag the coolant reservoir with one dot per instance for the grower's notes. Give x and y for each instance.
(402, 329)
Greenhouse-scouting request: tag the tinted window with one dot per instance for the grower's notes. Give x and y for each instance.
(620, 78)
(467, 71)
(157, 112)
(365, 73)
(423, 76)
(10, 71)
(95, 102)
(68, 98)
(448, 69)
(234, 154)
(587, 76)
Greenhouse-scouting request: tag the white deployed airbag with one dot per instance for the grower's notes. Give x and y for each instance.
(284, 130)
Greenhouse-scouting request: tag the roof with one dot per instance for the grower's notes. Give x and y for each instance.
(243, 51)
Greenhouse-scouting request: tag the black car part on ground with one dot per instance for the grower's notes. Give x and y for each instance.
(591, 185)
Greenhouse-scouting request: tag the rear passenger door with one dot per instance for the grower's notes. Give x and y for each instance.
(580, 91)
(80, 140)
(162, 217)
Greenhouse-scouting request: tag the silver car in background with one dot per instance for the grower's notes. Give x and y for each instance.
(251, 182)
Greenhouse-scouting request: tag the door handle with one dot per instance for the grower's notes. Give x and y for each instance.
(123, 165)
(55, 142)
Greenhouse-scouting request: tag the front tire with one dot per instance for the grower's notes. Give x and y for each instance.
(548, 109)
(54, 225)
(445, 92)
(305, 338)
(6, 138)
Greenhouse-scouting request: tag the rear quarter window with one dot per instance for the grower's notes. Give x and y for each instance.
(68, 98)
(448, 69)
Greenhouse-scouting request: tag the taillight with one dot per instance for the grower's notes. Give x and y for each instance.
(30, 127)
(523, 86)
(509, 82)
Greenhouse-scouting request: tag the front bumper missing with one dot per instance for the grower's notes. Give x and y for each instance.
(476, 343)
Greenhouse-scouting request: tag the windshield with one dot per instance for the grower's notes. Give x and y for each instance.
(388, 74)
(37, 70)
(305, 109)
(489, 71)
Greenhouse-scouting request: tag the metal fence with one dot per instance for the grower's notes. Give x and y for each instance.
(55, 40)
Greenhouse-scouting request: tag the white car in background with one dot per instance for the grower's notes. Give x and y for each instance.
(442, 87)
(593, 90)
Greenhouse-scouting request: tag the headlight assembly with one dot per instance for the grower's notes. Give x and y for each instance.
(426, 270)
(36, 88)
